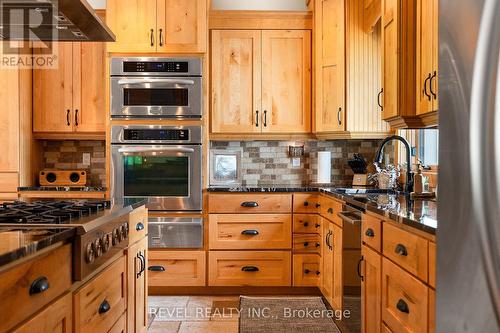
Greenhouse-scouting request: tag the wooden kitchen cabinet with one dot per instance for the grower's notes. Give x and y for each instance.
(332, 284)
(137, 294)
(176, 268)
(371, 291)
(306, 270)
(261, 81)
(330, 66)
(162, 26)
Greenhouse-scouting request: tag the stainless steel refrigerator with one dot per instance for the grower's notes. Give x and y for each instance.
(468, 237)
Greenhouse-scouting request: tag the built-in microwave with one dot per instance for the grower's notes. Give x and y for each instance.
(160, 163)
(147, 87)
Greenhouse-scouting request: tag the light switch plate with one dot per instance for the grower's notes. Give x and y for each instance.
(296, 162)
(86, 159)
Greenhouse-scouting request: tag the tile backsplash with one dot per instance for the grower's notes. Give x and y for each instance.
(267, 163)
(68, 154)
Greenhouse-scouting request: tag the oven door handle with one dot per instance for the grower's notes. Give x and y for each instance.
(150, 149)
(184, 82)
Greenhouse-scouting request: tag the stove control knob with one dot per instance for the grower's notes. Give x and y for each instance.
(124, 229)
(119, 234)
(97, 248)
(89, 253)
(114, 236)
(105, 243)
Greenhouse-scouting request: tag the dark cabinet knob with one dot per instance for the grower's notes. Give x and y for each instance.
(330, 210)
(318, 273)
(306, 224)
(306, 271)
(139, 226)
(249, 269)
(249, 204)
(318, 205)
(317, 225)
(317, 244)
(250, 232)
(104, 307)
(306, 244)
(306, 203)
(156, 268)
(401, 250)
(403, 306)
(39, 285)
(370, 233)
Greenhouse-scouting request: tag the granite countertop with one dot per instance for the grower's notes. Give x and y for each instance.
(420, 214)
(62, 189)
(17, 243)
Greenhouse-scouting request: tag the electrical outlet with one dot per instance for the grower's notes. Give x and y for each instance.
(86, 159)
(296, 162)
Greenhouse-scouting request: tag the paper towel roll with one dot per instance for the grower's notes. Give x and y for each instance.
(324, 167)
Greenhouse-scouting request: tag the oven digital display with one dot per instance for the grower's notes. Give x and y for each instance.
(156, 67)
(155, 135)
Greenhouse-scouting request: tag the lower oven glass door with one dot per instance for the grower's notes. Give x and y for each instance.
(168, 176)
(175, 233)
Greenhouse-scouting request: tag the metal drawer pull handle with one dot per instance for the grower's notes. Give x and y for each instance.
(401, 250)
(39, 285)
(359, 268)
(402, 306)
(152, 37)
(67, 117)
(369, 232)
(257, 118)
(76, 117)
(378, 99)
(156, 268)
(104, 307)
(250, 269)
(249, 204)
(250, 232)
(139, 226)
(142, 261)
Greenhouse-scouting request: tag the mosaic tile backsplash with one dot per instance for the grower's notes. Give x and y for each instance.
(66, 155)
(267, 163)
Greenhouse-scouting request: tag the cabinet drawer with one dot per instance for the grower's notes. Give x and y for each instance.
(329, 210)
(306, 224)
(404, 300)
(307, 243)
(306, 203)
(101, 302)
(432, 264)
(256, 268)
(250, 203)
(407, 250)
(371, 232)
(248, 231)
(121, 325)
(138, 224)
(306, 269)
(9, 182)
(52, 270)
(176, 268)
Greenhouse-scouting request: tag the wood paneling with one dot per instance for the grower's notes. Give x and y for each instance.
(371, 15)
(307, 243)
(259, 20)
(227, 231)
(9, 181)
(306, 270)
(265, 203)
(55, 318)
(9, 120)
(432, 264)
(121, 325)
(286, 81)
(110, 287)
(371, 291)
(363, 70)
(256, 268)
(236, 81)
(306, 223)
(425, 55)
(390, 45)
(432, 311)
(182, 268)
(306, 203)
(17, 303)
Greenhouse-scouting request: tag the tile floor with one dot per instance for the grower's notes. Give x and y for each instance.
(190, 314)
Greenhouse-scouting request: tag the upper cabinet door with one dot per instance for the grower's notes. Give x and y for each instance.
(53, 94)
(390, 42)
(182, 25)
(236, 81)
(89, 105)
(286, 81)
(425, 56)
(134, 25)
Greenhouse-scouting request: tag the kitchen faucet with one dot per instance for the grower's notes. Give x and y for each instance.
(409, 174)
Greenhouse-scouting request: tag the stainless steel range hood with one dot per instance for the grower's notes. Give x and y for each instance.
(51, 20)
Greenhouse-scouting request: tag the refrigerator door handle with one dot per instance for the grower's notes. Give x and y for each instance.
(485, 145)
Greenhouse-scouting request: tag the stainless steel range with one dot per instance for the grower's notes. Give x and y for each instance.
(101, 228)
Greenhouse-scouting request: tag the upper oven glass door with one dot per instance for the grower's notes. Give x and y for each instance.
(169, 176)
(156, 97)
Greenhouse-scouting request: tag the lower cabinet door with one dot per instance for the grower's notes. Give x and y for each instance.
(176, 268)
(338, 277)
(371, 291)
(404, 300)
(101, 301)
(137, 260)
(121, 325)
(256, 268)
(55, 318)
(306, 270)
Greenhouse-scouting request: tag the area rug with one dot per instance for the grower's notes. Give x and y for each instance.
(285, 315)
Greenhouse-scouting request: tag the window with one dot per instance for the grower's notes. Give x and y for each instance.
(424, 145)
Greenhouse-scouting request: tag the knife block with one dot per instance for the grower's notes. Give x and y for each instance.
(360, 180)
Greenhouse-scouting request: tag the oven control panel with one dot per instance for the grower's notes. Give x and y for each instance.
(156, 134)
(156, 67)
